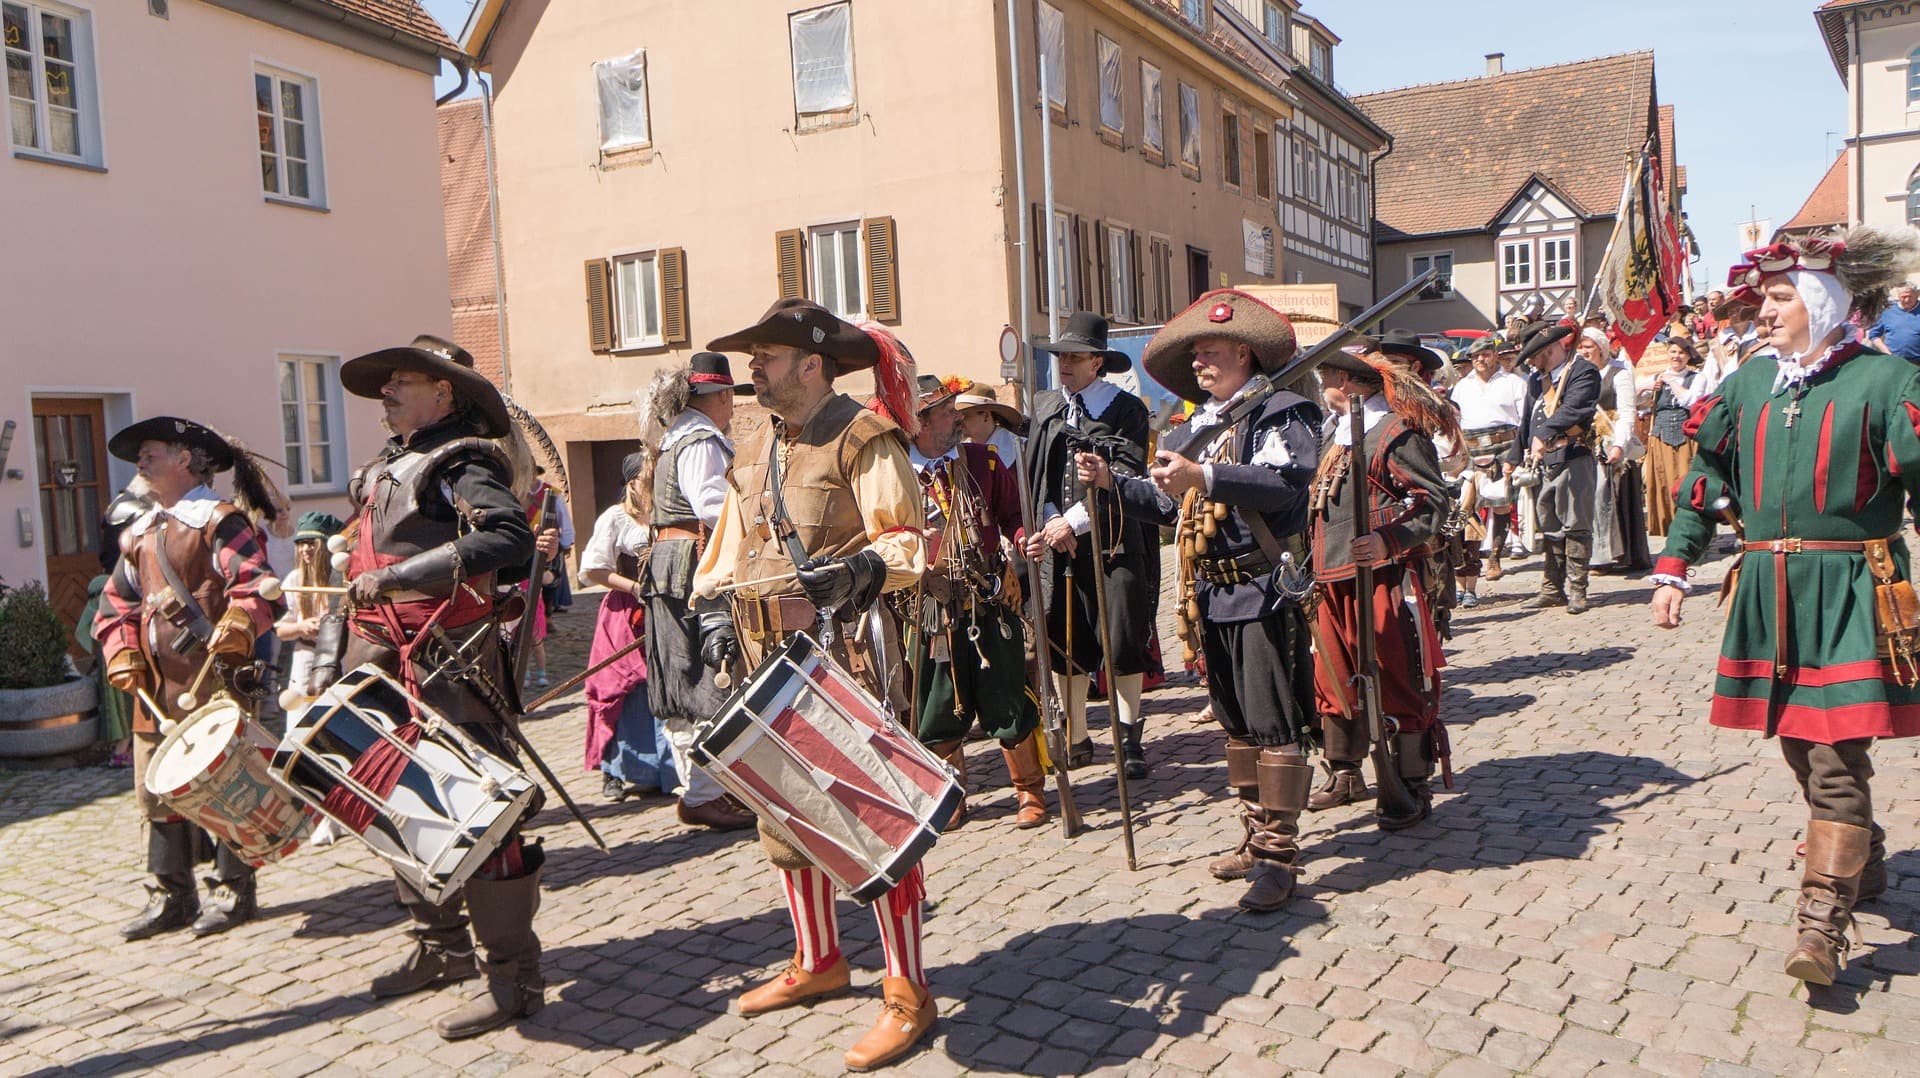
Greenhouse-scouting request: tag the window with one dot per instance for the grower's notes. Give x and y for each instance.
(1442, 286)
(1230, 147)
(1195, 12)
(624, 122)
(1112, 115)
(1063, 249)
(836, 270)
(50, 91)
(1153, 131)
(1262, 163)
(1913, 79)
(1190, 127)
(1052, 29)
(1159, 278)
(1913, 200)
(307, 418)
(822, 40)
(1321, 61)
(637, 298)
(284, 106)
(1120, 273)
(1516, 264)
(1556, 261)
(1275, 24)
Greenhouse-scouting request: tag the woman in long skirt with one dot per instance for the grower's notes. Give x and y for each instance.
(1669, 450)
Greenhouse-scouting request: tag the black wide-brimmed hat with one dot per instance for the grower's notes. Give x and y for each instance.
(125, 443)
(1227, 313)
(1087, 332)
(934, 391)
(1405, 342)
(1352, 360)
(804, 324)
(1538, 335)
(711, 372)
(439, 359)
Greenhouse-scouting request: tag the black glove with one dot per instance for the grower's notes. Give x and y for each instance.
(852, 582)
(719, 644)
(366, 589)
(432, 571)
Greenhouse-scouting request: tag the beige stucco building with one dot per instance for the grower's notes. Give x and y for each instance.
(1875, 48)
(213, 203)
(657, 190)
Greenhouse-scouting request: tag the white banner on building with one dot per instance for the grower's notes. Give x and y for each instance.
(1257, 239)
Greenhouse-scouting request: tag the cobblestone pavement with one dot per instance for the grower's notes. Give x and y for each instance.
(1606, 889)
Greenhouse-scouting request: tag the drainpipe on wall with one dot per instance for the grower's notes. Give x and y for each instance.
(460, 66)
(1857, 150)
(493, 218)
(1373, 218)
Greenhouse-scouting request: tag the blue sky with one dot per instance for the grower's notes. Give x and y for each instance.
(1747, 150)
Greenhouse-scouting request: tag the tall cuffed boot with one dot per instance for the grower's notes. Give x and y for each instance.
(1243, 776)
(1578, 552)
(955, 754)
(1493, 571)
(1029, 781)
(1829, 887)
(1416, 773)
(1344, 741)
(172, 901)
(1873, 878)
(1553, 575)
(231, 899)
(502, 913)
(1133, 755)
(442, 947)
(1126, 711)
(1285, 780)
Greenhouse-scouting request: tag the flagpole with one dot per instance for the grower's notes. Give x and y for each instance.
(1619, 221)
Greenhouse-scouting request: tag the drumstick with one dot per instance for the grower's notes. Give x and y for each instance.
(710, 590)
(271, 588)
(159, 717)
(186, 700)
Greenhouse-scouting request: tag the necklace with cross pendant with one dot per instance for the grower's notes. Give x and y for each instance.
(1792, 410)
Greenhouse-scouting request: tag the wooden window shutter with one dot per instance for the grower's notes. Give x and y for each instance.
(599, 305)
(790, 260)
(673, 295)
(1083, 266)
(1039, 240)
(1140, 309)
(1103, 268)
(883, 270)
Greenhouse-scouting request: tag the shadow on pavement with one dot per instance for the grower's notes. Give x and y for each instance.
(1557, 663)
(1872, 968)
(214, 1034)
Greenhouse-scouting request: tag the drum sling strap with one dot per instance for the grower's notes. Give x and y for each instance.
(198, 628)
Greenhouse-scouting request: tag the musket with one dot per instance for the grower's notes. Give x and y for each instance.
(1053, 720)
(1113, 677)
(1390, 787)
(523, 630)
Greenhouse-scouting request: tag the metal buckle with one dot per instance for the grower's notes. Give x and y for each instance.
(1785, 546)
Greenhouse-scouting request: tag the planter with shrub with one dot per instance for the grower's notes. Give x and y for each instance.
(45, 708)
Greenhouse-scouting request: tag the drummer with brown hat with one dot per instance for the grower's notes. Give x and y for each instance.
(832, 479)
(185, 595)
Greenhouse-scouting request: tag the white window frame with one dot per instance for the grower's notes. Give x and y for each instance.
(1051, 62)
(1193, 160)
(817, 252)
(332, 419)
(1195, 12)
(837, 113)
(1113, 97)
(310, 131)
(1063, 240)
(1414, 269)
(1320, 61)
(628, 301)
(1516, 264)
(1913, 79)
(1549, 260)
(1153, 111)
(84, 79)
(1231, 152)
(1120, 273)
(614, 144)
(1274, 25)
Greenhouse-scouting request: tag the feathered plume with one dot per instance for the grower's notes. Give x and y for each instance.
(1874, 260)
(659, 404)
(895, 380)
(527, 436)
(253, 491)
(1414, 401)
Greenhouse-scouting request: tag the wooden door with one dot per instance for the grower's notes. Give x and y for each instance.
(1199, 269)
(69, 439)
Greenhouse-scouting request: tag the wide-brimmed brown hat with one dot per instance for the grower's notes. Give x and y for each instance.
(1087, 332)
(1405, 342)
(804, 324)
(125, 442)
(975, 398)
(1227, 313)
(436, 358)
(1538, 335)
(935, 391)
(1736, 299)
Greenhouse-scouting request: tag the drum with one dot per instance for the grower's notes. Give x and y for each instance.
(212, 769)
(829, 770)
(422, 794)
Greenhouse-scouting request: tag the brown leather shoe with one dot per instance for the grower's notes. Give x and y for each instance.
(1029, 782)
(1233, 865)
(718, 814)
(1341, 788)
(1493, 571)
(1269, 886)
(796, 985)
(905, 1017)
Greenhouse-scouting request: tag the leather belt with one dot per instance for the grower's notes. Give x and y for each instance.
(1239, 569)
(1782, 616)
(676, 531)
(773, 617)
(1805, 546)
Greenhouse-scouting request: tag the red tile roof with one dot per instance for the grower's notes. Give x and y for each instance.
(406, 16)
(470, 262)
(1827, 205)
(1463, 149)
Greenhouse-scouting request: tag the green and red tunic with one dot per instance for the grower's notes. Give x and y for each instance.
(1834, 458)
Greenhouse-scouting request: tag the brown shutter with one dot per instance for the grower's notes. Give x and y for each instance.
(790, 262)
(883, 270)
(673, 295)
(1139, 277)
(1083, 266)
(599, 305)
(1102, 265)
(1039, 241)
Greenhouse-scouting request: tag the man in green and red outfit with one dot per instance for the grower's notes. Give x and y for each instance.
(1813, 445)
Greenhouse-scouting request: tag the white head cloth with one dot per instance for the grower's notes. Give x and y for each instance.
(1827, 305)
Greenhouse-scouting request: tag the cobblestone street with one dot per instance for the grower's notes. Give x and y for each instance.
(1606, 889)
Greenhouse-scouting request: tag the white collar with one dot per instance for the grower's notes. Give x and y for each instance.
(921, 462)
(1371, 413)
(194, 509)
(688, 422)
(1096, 397)
(1793, 370)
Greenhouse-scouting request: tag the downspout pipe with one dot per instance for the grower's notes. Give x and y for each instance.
(1373, 199)
(493, 218)
(465, 71)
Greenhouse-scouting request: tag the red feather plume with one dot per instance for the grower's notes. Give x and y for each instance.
(895, 380)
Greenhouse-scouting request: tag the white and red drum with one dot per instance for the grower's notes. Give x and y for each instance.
(430, 801)
(827, 768)
(212, 769)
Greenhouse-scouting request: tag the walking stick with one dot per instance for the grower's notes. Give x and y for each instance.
(1113, 679)
(1053, 722)
(523, 630)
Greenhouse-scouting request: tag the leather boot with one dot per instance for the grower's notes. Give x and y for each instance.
(1285, 780)
(1578, 553)
(1493, 571)
(719, 814)
(442, 951)
(1829, 887)
(172, 901)
(1416, 773)
(1344, 786)
(906, 1015)
(955, 754)
(502, 912)
(796, 985)
(1243, 775)
(1028, 780)
(231, 898)
(1134, 757)
(1873, 878)
(1553, 576)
